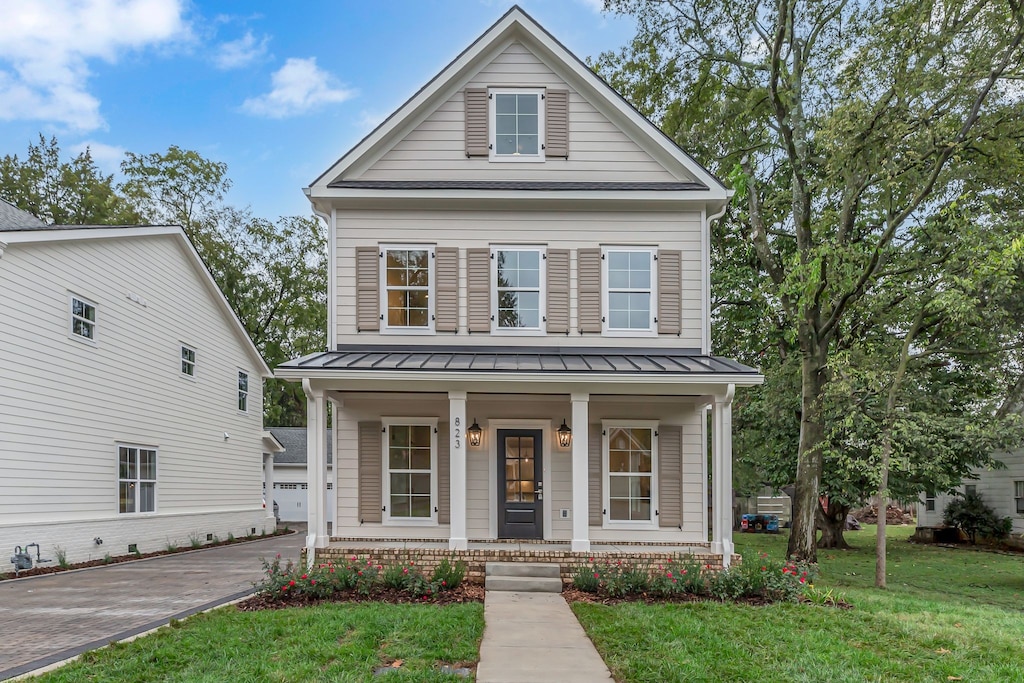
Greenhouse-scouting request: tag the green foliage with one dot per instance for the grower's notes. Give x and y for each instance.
(974, 517)
(194, 540)
(107, 559)
(449, 575)
(587, 577)
(61, 554)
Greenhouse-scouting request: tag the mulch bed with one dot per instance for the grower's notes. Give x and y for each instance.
(572, 595)
(131, 557)
(466, 592)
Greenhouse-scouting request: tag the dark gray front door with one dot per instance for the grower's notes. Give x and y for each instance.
(520, 485)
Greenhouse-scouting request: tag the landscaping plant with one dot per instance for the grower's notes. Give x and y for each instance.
(971, 515)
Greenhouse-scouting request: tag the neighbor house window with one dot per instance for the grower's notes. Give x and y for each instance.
(83, 318)
(517, 125)
(136, 466)
(243, 391)
(629, 302)
(630, 466)
(188, 361)
(518, 274)
(1018, 494)
(410, 465)
(970, 489)
(408, 277)
(929, 503)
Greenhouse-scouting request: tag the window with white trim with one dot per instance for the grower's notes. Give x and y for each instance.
(136, 479)
(1018, 494)
(83, 318)
(188, 361)
(629, 290)
(518, 296)
(407, 282)
(243, 391)
(929, 502)
(410, 470)
(630, 473)
(517, 124)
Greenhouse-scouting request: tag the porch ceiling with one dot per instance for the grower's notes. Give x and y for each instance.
(612, 366)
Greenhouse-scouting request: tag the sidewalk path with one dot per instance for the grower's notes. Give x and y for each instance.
(535, 638)
(50, 618)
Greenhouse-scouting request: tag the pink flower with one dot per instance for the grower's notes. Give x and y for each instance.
(284, 588)
(669, 574)
(674, 581)
(353, 558)
(763, 568)
(304, 576)
(684, 571)
(405, 571)
(313, 582)
(331, 570)
(596, 575)
(803, 580)
(278, 556)
(360, 572)
(379, 567)
(444, 583)
(591, 559)
(291, 583)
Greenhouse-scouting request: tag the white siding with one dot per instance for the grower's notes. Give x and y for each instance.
(556, 229)
(995, 487)
(435, 149)
(65, 404)
(481, 483)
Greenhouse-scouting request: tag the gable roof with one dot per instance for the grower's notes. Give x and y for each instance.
(13, 218)
(517, 24)
(70, 233)
(294, 441)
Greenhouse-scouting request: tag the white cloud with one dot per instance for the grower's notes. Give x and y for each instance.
(242, 52)
(107, 157)
(297, 87)
(46, 45)
(368, 120)
(594, 5)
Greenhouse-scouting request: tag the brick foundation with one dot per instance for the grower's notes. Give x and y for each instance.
(477, 559)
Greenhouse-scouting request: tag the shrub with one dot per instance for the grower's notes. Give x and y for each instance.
(587, 577)
(449, 576)
(194, 540)
(971, 515)
(62, 557)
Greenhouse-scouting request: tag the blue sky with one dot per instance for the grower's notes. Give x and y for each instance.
(277, 90)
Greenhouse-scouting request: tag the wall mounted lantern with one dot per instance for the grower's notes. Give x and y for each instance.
(474, 433)
(564, 435)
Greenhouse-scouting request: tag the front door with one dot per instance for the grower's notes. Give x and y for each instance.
(520, 483)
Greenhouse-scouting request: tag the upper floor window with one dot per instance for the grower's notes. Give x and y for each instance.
(629, 300)
(83, 318)
(517, 125)
(518, 277)
(136, 479)
(243, 391)
(929, 502)
(408, 280)
(188, 361)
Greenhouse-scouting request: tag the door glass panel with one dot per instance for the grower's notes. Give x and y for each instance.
(520, 470)
(511, 492)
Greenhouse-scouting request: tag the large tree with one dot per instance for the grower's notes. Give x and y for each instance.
(840, 124)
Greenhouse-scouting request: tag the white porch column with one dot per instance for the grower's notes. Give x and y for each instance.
(721, 474)
(268, 490)
(580, 472)
(457, 470)
(316, 468)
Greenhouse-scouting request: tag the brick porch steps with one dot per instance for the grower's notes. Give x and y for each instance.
(523, 577)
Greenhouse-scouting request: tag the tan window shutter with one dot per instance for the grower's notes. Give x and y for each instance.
(446, 304)
(443, 478)
(367, 289)
(670, 291)
(371, 484)
(589, 289)
(478, 289)
(556, 120)
(670, 476)
(558, 291)
(477, 135)
(596, 500)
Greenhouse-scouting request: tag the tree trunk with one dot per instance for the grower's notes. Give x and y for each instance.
(809, 459)
(832, 522)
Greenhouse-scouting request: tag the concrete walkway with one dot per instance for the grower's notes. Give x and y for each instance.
(50, 618)
(535, 638)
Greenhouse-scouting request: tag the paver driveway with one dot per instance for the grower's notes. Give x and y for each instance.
(50, 618)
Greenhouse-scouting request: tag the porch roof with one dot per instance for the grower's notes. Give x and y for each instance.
(627, 364)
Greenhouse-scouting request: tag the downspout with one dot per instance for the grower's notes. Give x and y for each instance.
(331, 270)
(706, 277)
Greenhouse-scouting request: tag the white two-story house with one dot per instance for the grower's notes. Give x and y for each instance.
(519, 337)
(131, 404)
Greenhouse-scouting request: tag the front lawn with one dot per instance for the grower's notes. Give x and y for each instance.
(948, 614)
(330, 642)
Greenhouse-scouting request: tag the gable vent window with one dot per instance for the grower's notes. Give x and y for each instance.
(516, 125)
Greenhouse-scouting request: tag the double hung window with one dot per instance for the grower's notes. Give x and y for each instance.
(188, 361)
(410, 466)
(517, 124)
(243, 391)
(136, 466)
(408, 280)
(518, 274)
(83, 318)
(631, 466)
(1018, 494)
(629, 297)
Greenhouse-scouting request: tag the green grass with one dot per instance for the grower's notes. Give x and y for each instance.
(325, 643)
(948, 614)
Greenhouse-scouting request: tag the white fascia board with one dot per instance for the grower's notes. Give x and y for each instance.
(645, 196)
(550, 378)
(69, 235)
(271, 443)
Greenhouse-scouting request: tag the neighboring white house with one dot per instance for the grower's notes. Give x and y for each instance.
(1003, 490)
(519, 324)
(131, 399)
(291, 482)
